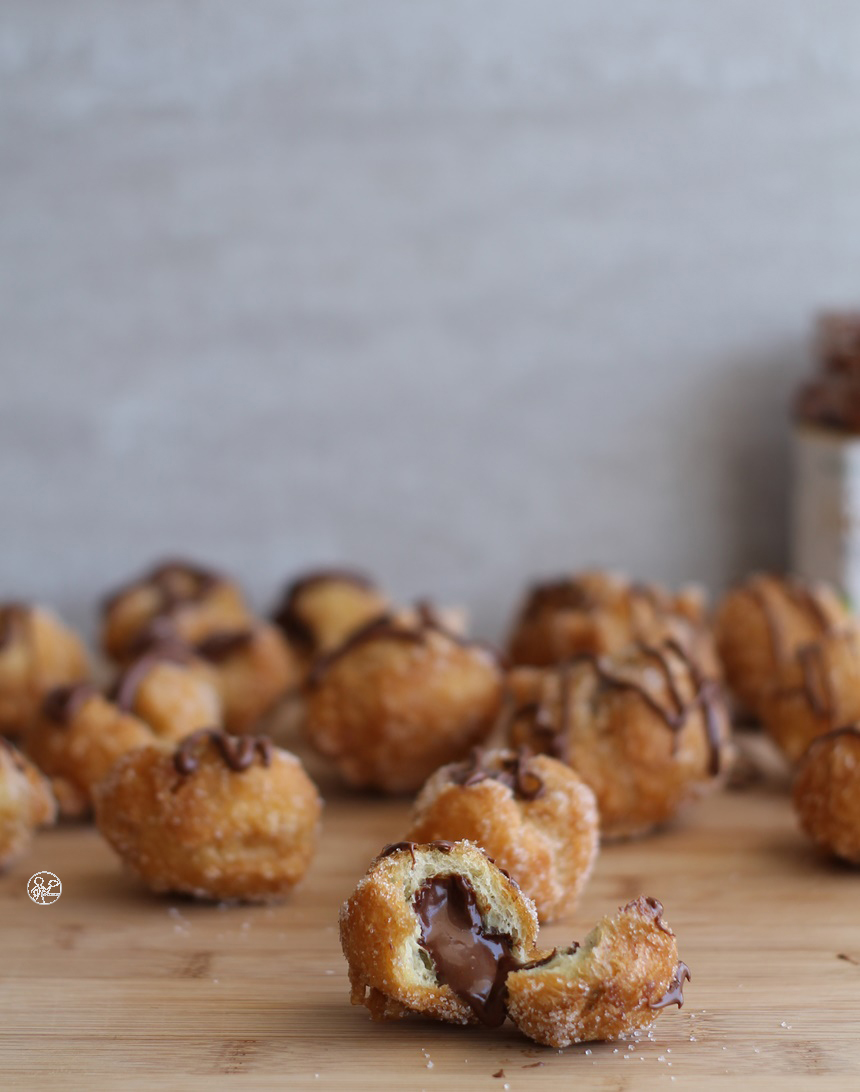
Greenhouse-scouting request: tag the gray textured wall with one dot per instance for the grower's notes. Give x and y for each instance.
(458, 291)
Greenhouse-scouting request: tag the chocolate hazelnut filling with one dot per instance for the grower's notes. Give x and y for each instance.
(474, 963)
(675, 993)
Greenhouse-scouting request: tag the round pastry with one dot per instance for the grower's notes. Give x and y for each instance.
(321, 609)
(175, 600)
(616, 983)
(435, 929)
(533, 815)
(220, 818)
(594, 613)
(400, 698)
(644, 729)
(254, 669)
(77, 738)
(174, 692)
(26, 802)
(763, 622)
(827, 792)
(814, 691)
(37, 653)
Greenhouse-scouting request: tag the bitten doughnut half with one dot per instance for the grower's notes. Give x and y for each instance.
(644, 729)
(77, 738)
(762, 623)
(435, 929)
(26, 802)
(613, 985)
(814, 691)
(595, 613)
(254, 669)
(37, 653)
(170, 689)
(532, 814)
(400, 698)
(827, 793)
(176, 600)
(220, 818)
(321, 609)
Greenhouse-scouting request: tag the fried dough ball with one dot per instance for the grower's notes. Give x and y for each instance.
(26, 802)
(77, 738)
(37, 653)
(617, 983)
(594, 613)
(254, 669)
(400, 698)
(532, 814)
(176, 600)
(435, 929)
(762, 623)
(174, 692)
(827, 792)
(322, 608)
(220, 818)
(645, 730)
(815, 691)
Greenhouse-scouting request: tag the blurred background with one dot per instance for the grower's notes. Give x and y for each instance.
(462, 293)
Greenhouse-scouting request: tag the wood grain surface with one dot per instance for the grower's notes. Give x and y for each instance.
(112, 987)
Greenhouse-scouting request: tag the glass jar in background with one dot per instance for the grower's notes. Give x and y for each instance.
(826, 503)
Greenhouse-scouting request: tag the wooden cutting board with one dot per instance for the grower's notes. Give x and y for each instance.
(111, 987)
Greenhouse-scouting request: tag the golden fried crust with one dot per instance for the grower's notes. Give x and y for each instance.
(595, 613)
(619, 980)
(322, 608)
(644, 730)
(174, 699)
(37, 653)
(762, 623)
(214, 832)
(542, 826)
(398, 701)
(76, 750)
(389, 971)
(827, 793)
(814, 691)
(254, 669)
(26, 802)
(176, 600)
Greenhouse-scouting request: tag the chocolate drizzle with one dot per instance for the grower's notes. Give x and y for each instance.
(62, 704)
(654, 908)
(288, 617)
(15, 756)
(388, 627)
(176, 583)
(12, 620)
(673, 713)
(218, 647)
(674, 995)
(126, 687)
(760, 589)
(848, 731)
(474, 963)
(237, 752)
(511, 769)
(396, 847)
